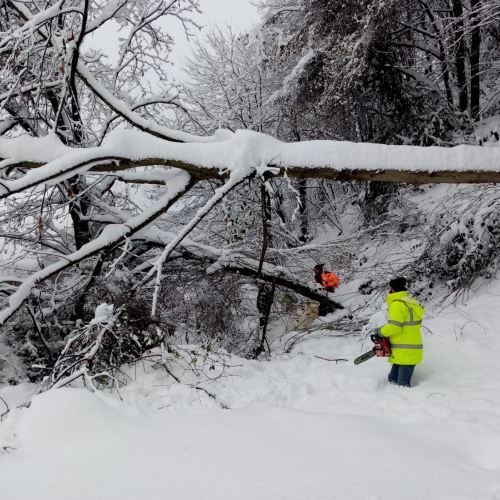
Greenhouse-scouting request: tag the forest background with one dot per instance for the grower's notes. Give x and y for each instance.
(224, 255)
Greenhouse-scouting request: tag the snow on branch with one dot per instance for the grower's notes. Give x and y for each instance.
(246, 151)
(81, 350)
(108, 12)
(271, 13)
(122, 150)
(156, 176)
(236, 262)
(35, 21)
(38, 86)
(290, 80)
(122, 109)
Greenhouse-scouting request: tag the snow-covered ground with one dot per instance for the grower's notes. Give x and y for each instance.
(300, 427)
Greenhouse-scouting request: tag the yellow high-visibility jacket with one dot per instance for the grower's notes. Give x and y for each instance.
(403, 329)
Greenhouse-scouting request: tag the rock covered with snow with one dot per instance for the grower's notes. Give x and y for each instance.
(103, 313)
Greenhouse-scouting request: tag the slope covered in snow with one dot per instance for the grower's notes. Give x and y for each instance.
(299, 426)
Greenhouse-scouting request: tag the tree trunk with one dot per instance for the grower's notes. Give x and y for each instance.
(78, 208)
(475, 52)
(463, 99)
(265, 296)
(304, 222)
(445, 73)
(265, 299)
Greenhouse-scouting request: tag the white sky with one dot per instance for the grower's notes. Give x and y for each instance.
(234, 12)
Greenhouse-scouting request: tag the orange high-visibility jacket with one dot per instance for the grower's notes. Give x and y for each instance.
(330, 281)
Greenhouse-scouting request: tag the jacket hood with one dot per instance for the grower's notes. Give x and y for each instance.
(396, 296)
(405, 296)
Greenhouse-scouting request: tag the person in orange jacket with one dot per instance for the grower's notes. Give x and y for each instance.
(330, 282)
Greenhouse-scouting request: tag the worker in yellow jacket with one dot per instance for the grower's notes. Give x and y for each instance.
(403, 330)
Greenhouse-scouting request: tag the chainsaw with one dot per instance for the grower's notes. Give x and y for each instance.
(381, 349)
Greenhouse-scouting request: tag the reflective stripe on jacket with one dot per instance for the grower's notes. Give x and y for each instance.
(403, 329)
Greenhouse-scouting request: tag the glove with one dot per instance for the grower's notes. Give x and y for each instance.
(376, 338)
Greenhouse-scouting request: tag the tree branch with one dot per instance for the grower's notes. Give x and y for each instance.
(120, 108)
(246, 151)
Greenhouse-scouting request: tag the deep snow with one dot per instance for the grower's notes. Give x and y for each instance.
(299, 427)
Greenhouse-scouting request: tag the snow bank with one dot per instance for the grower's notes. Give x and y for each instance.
(301, 427)
(90, 448)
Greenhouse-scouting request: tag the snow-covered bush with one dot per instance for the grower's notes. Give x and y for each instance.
(464, 242)
(96, 351)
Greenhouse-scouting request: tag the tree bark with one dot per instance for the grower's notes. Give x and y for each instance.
(475, 53)
(77, 208)
(445, 72)
(304, 222)
(463, 97)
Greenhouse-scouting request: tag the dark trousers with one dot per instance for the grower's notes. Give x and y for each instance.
(401, 374)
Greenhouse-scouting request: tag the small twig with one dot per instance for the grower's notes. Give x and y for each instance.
(40, 334)
(328, 359)
(208, 393)
(198, 388)
(211, 395)
(167, 369)
(6, 406)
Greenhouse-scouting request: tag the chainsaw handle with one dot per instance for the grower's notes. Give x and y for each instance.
(382, 347)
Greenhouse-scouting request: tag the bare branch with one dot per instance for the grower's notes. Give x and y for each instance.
(110, 236)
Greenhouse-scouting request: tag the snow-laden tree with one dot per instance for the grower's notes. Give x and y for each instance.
(228, 83)
(53, 89)
(102, 198)
(416, 70)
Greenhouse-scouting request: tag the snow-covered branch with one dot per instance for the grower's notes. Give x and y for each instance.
(245, 151)
(121, 108)
(238, 263)
(179, 184)
(220, 193)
